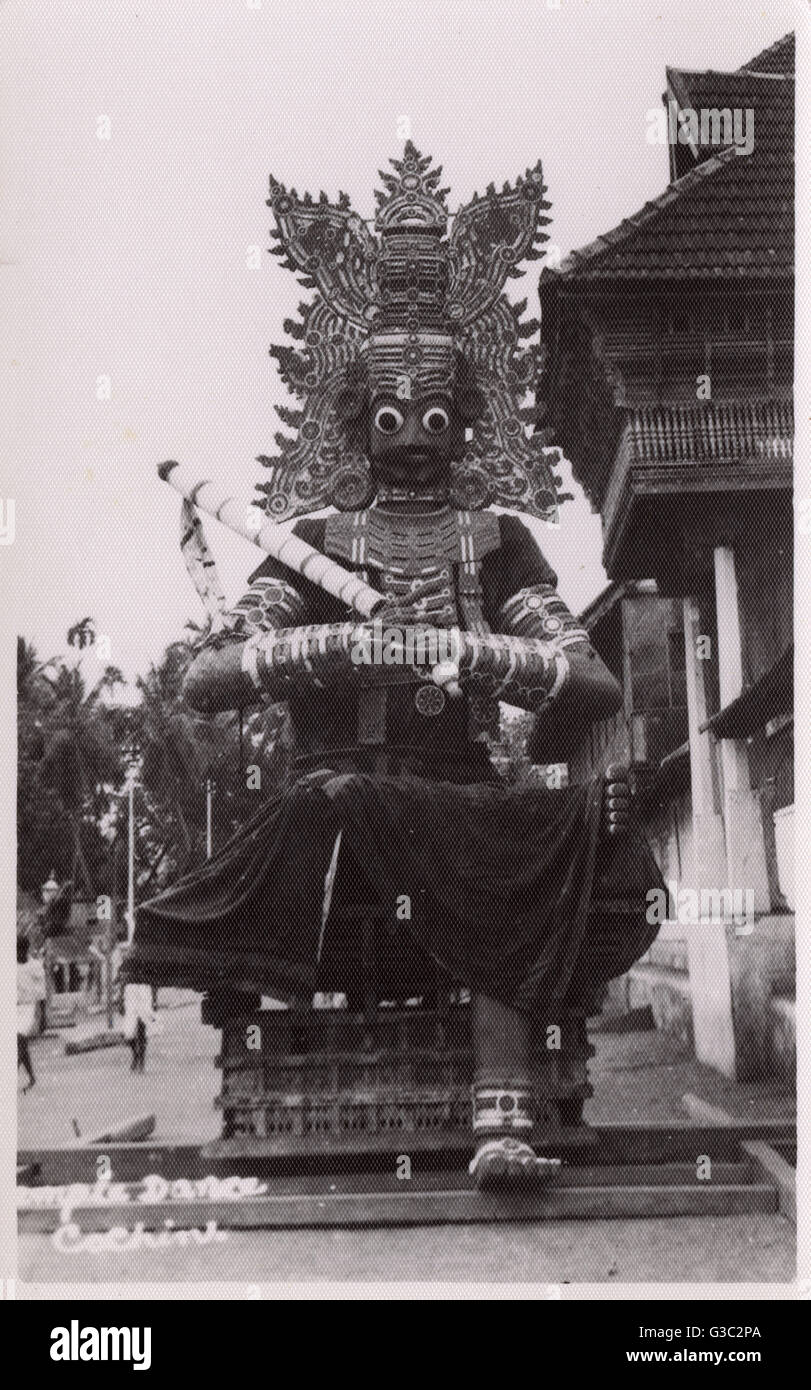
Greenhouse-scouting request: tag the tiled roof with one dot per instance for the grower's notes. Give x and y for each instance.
(730, 216)
(778, 58)
(769, 96)
(601, 604)
(771, 694)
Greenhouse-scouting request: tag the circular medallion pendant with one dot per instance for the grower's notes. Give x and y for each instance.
(429, 700)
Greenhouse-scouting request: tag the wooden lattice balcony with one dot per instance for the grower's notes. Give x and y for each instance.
(684, 454)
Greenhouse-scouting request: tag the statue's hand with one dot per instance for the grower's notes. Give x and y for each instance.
(410, 610)
(428, 598)
(446, 675)
(616, 799)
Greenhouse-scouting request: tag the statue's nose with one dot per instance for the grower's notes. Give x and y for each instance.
(412, 434)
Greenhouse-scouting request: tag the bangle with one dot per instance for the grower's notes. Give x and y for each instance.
(250, 657)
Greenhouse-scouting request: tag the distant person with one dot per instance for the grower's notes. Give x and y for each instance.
(30, 990)
(138, 1013)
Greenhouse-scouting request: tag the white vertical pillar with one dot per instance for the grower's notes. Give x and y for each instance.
(730, 646)
(707, 954)
(131, 858)
(743, 827)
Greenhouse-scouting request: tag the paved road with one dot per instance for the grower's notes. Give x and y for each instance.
(98, 1088)
(702, 1250)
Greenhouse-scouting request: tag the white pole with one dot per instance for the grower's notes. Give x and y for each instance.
(208, 818)
(707, 950)
(730, 645)
(746, 853)
(131, 859)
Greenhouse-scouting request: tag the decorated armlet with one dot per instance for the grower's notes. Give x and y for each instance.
(539, 611)
(521, 670)
(361, 654)
(269, 604)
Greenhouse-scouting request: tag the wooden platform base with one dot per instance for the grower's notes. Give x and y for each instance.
(620, 1172)
(577, 1194)
(586, 1146)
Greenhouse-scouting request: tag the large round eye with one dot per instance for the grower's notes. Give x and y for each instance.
(388, 420)
(435, 420)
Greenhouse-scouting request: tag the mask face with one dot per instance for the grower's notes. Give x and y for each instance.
(411, 442)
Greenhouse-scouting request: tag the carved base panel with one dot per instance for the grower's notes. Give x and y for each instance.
(334, 1075)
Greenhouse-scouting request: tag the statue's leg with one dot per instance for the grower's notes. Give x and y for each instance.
(512, 1079)
(572, 1085)
(503, 1099)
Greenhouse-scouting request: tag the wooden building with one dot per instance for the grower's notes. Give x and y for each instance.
(668, 381)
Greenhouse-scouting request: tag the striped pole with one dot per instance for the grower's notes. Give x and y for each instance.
(291, 551)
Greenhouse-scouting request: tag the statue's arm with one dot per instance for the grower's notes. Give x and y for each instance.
(588, 692)
(524, 603)
(216, 679)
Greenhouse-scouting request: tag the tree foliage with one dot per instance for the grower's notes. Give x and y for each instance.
(79, 741)
(67, 761)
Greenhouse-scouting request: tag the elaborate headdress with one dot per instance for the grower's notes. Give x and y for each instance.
(413, 311)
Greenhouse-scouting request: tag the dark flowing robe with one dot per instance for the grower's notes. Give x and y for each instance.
(513, 892)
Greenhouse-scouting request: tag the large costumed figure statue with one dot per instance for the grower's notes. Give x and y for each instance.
(393, 626)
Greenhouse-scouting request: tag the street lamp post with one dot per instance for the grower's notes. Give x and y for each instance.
(130, 854)
(131, 761)
(48, 892)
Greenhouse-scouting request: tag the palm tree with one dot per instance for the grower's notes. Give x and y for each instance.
(173, 759)
(80, 757)
(40, 821)
(180, 750)
(34, 696)
(33, 685)
(82, 634)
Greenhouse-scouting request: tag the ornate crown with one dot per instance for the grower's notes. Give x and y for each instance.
(397, 311)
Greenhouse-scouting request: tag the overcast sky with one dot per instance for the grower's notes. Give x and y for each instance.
(127, 256)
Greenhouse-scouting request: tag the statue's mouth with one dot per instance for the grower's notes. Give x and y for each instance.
(408, 461)
(412, 466)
